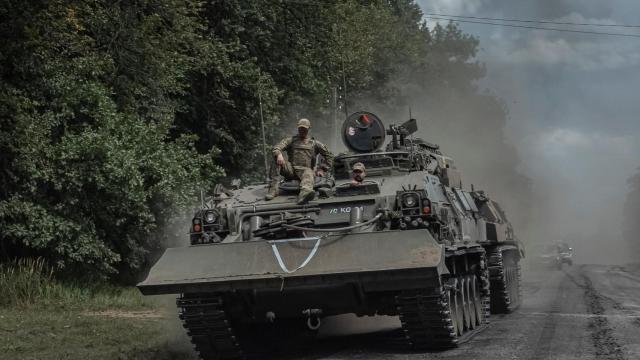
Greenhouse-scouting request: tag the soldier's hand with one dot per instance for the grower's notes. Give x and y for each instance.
(320, 173)
(280, 159)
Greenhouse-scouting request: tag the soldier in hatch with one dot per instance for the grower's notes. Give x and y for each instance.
(301, 152)
(358, 173)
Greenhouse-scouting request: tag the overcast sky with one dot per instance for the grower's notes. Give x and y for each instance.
(575, 109)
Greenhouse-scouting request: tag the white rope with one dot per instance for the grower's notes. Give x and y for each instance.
(276, 252)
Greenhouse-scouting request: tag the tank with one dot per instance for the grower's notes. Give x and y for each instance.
(409, 241)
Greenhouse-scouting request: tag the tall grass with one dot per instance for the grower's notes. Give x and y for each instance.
(25, 281)
(31, 282)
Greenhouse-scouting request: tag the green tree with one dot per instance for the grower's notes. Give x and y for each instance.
(112, 113)
(294, 54)
(91, 170)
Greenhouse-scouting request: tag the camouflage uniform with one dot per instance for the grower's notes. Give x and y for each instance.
(301, 154)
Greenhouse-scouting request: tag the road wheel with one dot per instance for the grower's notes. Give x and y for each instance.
(474, 301)
(459, 312)
(466, 302)
(513, 284)
(454, 308)
(451, 306)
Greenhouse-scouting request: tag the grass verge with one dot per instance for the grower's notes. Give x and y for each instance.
(30, 282)
(42, 318)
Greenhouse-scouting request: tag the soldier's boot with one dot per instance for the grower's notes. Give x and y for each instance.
(324, 192)
(272, 192)
(305, 196)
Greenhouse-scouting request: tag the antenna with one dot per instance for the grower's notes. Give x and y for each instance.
(411, 154)
(336, 132)
(344, 86)
(264, 141)
(410, 117)
(344, 77)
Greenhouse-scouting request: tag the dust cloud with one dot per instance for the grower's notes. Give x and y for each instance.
(177, 341)
(554, 184)
(573, 117)
(632, 216)
(173, 233)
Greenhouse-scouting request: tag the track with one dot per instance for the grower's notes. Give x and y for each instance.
(582, 312)
(452, 311)
(208, 327)
(505, 275)
(216, 335)
(429, 323)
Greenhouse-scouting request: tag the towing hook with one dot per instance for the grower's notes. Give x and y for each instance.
(313, 318)
(313, 323)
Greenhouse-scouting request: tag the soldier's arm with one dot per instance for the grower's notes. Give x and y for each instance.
(280, 147)
(324, 151)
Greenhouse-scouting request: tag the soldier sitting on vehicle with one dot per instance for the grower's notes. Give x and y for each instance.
(358, 173)
(301, 152)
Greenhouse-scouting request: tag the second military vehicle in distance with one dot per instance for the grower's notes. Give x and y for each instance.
(554, 255)
(409, 241)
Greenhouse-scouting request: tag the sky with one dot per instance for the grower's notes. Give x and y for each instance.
(574, 111)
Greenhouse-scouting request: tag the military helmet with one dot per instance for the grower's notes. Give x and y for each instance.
(305, 123)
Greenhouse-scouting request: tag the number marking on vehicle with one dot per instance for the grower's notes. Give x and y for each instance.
(342, 210)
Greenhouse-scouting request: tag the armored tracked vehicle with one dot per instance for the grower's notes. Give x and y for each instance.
(554, 255)
(409, 241)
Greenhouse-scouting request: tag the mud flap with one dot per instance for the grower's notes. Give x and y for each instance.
(296, 262)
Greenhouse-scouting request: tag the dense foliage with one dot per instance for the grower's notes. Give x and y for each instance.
(88, 98)
(114, 114)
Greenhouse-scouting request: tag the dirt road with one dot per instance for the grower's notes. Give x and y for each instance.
(583, 312)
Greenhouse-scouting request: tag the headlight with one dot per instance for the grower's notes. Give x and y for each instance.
(210, 217)
(196, 225)
(410, 200)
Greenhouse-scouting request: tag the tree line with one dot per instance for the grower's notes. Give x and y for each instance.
(114, 114)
